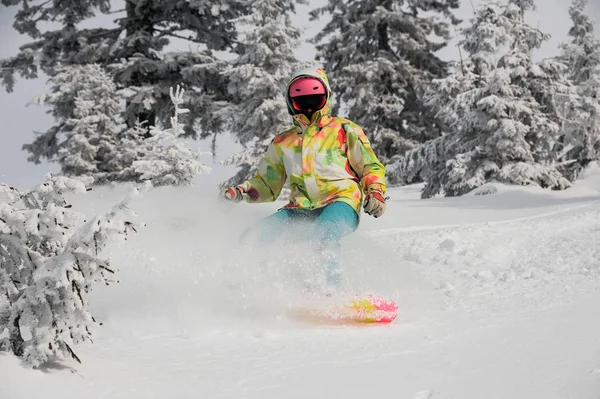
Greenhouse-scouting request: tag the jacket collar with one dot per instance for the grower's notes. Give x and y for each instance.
(319, 118)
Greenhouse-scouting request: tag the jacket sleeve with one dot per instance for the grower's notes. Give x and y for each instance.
(269, 180)
(363, 160)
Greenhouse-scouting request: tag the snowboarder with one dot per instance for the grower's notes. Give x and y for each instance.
(330, 166)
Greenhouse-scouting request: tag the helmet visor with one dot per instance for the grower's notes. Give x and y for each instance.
(313, 102)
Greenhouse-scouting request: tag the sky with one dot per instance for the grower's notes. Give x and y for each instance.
(18, 121)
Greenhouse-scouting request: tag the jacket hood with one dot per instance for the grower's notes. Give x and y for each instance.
(318, 73)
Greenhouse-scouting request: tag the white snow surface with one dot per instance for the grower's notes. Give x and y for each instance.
(498, 294)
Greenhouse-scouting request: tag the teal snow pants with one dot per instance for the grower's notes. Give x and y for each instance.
(328, 225)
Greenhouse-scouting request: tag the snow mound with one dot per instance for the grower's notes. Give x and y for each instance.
(486, 189)
(590, 177)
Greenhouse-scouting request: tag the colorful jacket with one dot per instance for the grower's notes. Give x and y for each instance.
(326, 159)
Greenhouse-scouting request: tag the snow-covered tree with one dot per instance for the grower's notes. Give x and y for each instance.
(544, 89)
(90, 138)
(85, 103)
(489, 31)
(257, 81)
(166, 159)
(497, 128)
(133, 50)
(580, 143)
(380, 55)
(50, 258)
(554, 92)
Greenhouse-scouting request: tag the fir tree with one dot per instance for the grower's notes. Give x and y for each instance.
(49, 261)
(89, 139)
(257, 81)
(580, 143)
(133, 51)
(85, 103)
(165, 159)
(380, 55)
(498, 130)
(554, 92)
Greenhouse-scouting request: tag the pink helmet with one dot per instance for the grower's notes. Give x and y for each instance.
(306, 86)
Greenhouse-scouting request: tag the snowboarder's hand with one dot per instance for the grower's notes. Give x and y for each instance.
(231, 194)
(374, 204)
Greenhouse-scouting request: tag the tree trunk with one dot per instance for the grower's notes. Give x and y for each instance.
(139, 19)
(17, 343)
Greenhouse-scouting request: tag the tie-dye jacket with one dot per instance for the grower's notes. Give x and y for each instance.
(326, 159)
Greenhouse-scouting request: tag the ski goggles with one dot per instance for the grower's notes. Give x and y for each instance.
(311, 102)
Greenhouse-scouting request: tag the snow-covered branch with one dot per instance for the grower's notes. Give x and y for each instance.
(50, 259)
(501, 111)
(167, 160)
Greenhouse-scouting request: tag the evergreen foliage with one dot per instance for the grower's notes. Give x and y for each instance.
(257, 80)
(134, 52)
(50, 258)
(89, 139)
(498, 130)
(166, 159)
(86, 105)
(380, 56)
(580, 143)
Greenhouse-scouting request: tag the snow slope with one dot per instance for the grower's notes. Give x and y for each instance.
(499, 298)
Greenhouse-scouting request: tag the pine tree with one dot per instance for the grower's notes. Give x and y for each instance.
(554, 92)
(133, 51)
(165, 159)
(49, 261)
(580, 143)
(380, 55)
(498, 129)
(257, 81)
(85, 103)
(89, 139)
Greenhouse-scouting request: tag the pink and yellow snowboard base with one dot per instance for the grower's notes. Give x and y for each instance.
(360, 309)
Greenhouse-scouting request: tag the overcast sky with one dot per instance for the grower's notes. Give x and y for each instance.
(18, 122)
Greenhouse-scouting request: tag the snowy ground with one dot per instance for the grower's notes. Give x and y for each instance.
(499, 298)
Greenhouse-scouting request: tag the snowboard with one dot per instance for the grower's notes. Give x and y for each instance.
(366, 309)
